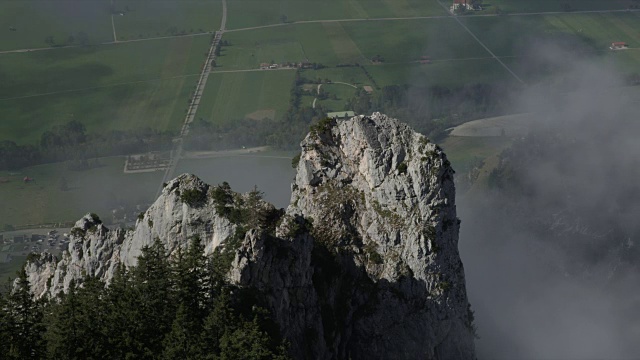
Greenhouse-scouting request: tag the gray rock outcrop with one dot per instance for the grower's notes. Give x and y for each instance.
(363, 264)
(97, 251)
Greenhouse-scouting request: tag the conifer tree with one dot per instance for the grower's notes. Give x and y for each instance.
(26, 319)
(155, 310)
(76, 325)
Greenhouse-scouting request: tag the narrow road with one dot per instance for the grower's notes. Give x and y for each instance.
(315, 99)
(178, 150)
(113, 25)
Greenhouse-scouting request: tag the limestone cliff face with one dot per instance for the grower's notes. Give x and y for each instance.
(381, 276)
(97, 251)
(363, 264)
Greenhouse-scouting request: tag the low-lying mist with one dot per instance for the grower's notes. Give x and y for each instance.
(550, 250)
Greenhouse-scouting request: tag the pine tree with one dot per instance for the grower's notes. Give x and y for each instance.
(188, 273)
(76, 325)
(155, 310)
(6, 327)
(121, 327)
(219, 321)
(247, 342)
(26, 321)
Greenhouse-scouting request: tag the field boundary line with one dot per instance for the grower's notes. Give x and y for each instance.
(250, 70)
(103, 43)
(482, 44)
(542, 13)
(97, 87)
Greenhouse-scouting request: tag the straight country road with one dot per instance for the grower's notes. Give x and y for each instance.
(178, 150)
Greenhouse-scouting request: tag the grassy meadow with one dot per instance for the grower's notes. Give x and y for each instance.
(97, 190)
(528, 6)
(332, 43)
(463, 151)
(350, 75)
(119, 86)
(231, 96)
(152, 18)
(35, 20)
(583, 32)
(250, 13)
(447, 73)
(342, 94)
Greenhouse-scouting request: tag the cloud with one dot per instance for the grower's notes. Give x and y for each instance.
(550, 263)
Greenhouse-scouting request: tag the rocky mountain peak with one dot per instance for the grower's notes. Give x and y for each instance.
(362, 264)
(375, 185)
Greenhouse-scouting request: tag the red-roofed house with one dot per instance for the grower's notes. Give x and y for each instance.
(618, 45)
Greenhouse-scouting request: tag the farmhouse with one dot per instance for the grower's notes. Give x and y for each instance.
(341, 114)
(457, 4)
(618, 45)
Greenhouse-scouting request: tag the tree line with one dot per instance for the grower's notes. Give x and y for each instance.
(177, 307)
(429, 110)
(72, 142)
(433, 109)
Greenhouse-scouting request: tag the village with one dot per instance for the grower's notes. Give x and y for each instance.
(22, 243)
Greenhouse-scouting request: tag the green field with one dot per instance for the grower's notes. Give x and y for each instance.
(249, 13)
(351, 75)
(35, 20)
(529, 6)
(97, 190)
(446, 73)
(332, 43)
(341, 92)
(467, 152)
(119, 86)
(152, 18)
(594, 32)
(233, 96)
(291, 43)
